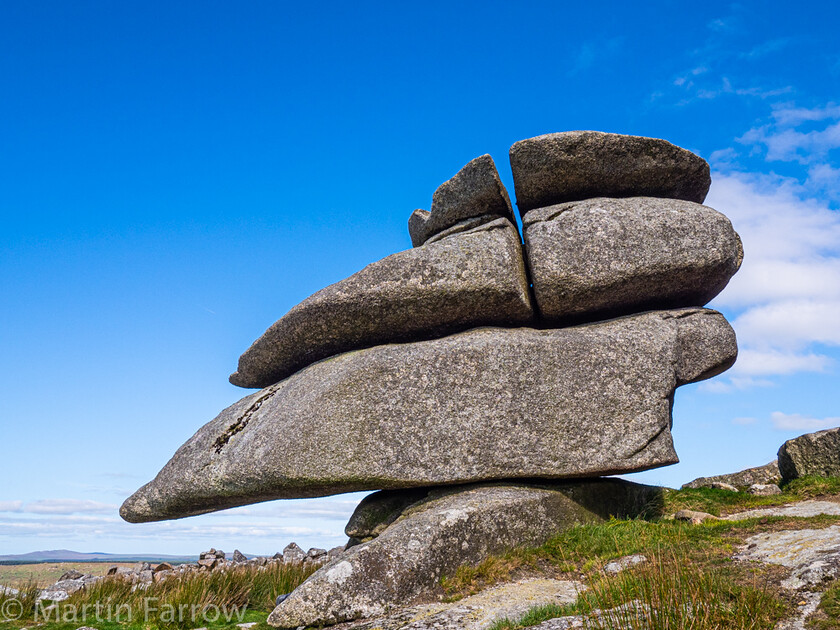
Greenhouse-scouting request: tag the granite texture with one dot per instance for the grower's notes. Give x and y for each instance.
(472, 277)
(574, 165)
(476, 190)
(607, 257)
(485, 404)
(815, 454)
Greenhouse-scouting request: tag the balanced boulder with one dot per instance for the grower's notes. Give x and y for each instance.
(476, 190)
(490, 403)
(470, 278)
(816, 454)
(573, 165)
(448, 528)
(606, 257)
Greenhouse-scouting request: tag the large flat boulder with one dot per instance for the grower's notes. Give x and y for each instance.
(816, 454)
(450, 528)
(573, 165)
(472, 277)
(486, 404)
(476, 190)
(607, 257)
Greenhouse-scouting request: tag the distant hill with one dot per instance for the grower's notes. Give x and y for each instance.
(65, 555)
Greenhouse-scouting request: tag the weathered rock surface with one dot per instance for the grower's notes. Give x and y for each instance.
(812, 554)
(476, 190)
(769, 473)
(450, 528)
(811, 454)
(607, 257)
(481, 405)
(574, 165)
(477, 612)
(471, 278)
(801, 509)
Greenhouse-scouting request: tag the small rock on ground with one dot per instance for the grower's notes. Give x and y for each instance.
(764, 489)
(617, 566)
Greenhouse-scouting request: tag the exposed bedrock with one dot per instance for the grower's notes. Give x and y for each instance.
(480, 405)
(574, 165)
(476, 190)
(436, 533)
(607, 257)
(472, 276)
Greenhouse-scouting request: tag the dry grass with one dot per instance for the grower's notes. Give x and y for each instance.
(46, 573)
(207, 599)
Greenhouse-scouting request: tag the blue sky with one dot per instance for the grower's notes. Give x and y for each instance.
(175, 176)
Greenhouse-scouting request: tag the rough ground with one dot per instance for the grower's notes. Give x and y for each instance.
(811, 557)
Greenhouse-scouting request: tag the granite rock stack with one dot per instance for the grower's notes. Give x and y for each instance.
(482, 382)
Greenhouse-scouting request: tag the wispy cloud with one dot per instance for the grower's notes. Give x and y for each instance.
(720, 67)
(766, 48)
(594, 52)
(798, 422)
(68, 506)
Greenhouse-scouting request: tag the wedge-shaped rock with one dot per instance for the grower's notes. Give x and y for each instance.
(472, 277)
(476, 190)
(816, 454)
(490, 403)
(447, 529)
(608, 257)
(574, 165)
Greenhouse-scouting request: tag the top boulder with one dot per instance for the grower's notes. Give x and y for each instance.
(574, 165)
(476, 190)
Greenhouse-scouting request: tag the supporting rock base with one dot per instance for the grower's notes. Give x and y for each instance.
(447, 528)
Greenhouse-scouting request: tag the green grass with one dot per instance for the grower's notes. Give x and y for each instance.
(720, 502)
(828, 613)
(669, 592)
(218, 599)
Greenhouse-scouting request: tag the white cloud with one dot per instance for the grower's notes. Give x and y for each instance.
(752, 363)
(787, 115)
(797, 422)
(67, 506)
(790, 324)
(786, 295)
(11, 506)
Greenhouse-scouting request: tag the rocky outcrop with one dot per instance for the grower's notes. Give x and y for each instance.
(470, 278)
(769, 473)
(574, 165)
(475, 191)
(436, 367)
(445, 530)
(604, 257)
(486, 404)
(815, 454)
